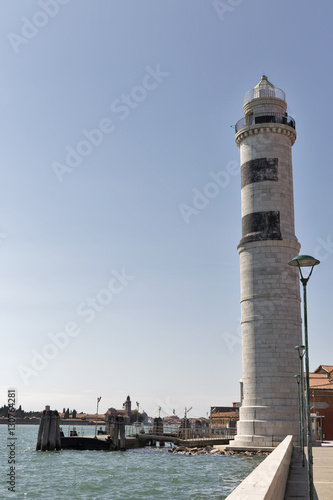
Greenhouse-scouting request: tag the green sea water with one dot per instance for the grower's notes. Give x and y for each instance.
(98, 475)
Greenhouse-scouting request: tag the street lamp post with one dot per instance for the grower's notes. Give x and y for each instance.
(306, 261)
(98, 400)
(300, 349)
(297, 377)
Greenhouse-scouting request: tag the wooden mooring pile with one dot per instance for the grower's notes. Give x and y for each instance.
(49, 431)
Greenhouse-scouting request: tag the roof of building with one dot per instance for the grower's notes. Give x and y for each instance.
(90, 416)
(199, 419)
(324, 368)
(81, 416)
(217, 409)
(172, 418)
(321, 380)
(113, 412)
(225, 414)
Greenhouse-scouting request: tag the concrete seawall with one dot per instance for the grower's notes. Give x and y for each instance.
(268, 481)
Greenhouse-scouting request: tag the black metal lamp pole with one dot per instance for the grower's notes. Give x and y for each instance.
(297, 377)
(306, 261)
(300, 349)
(98, 400)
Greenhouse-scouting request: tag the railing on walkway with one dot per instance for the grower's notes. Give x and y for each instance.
(208, 433)
(207, 437)
(176, 431)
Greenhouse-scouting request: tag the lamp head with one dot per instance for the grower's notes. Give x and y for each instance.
(300, 347)
(303, 261)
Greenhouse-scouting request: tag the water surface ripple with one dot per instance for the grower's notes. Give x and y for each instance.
(148, 474)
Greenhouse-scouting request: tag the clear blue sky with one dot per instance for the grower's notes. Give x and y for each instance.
(98, 242)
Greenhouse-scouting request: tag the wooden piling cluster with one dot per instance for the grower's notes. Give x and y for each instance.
(117, 433)
(49, 431)
(184, 429)
(158, 431)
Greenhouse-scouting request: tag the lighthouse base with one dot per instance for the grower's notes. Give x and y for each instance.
(265, 426)
(255, 443)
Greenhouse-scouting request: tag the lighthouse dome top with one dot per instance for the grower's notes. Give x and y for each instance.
(264, 89)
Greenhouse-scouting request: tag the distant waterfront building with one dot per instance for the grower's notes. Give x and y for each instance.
(172, 420)
(225, 419)
(224, 416)
(321, 398)
(270, 297)
(125, 413)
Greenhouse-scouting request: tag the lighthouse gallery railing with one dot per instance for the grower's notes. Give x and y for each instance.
(248, 120)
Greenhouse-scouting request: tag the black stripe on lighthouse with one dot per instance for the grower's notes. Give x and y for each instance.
(261, 169)
(261, 226)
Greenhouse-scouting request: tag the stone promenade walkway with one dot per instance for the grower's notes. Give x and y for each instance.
(297, 487)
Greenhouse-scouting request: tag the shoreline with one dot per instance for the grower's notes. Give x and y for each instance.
(217, 450)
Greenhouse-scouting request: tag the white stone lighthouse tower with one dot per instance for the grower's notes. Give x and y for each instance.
(270, 298)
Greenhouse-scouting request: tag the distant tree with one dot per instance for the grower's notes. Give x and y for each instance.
(74, 414)
(32, 414)
(19, 412)
(4, 411)
(66, 413)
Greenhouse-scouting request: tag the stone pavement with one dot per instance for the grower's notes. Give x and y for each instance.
(297, 486)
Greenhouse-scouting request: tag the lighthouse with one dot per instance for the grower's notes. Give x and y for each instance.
(270, 296)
